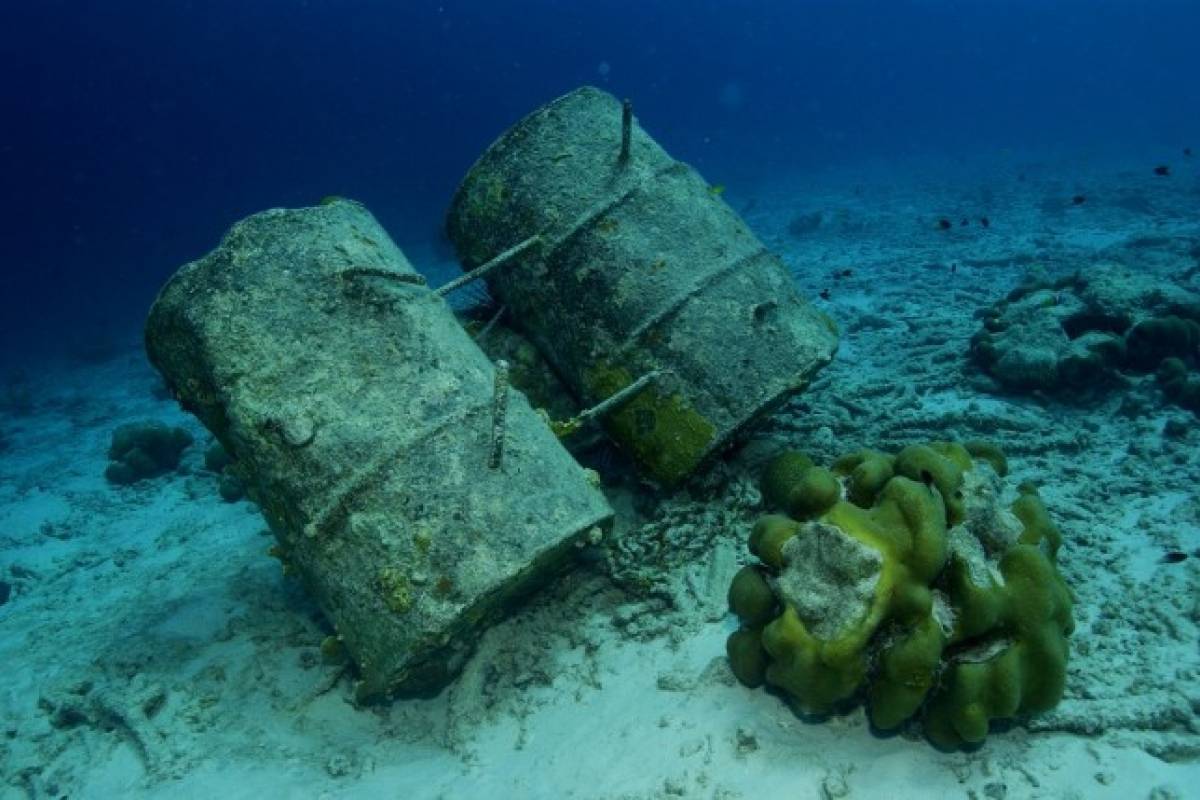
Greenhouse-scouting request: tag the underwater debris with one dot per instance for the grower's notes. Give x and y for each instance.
(1162, 170)
(499, 412)
(568, 427)
(626, 132)
(373, 501)
(587, 303)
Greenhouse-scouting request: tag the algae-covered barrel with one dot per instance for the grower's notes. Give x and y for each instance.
(364, 420)
(641, 268)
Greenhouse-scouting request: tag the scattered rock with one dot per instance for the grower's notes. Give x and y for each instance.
(216, 458)
(995, 790)
(1082, 334)
(339, 766)
(144, 450)
(230, 488)
(1175, 429)
(746, 741)
(833, 787)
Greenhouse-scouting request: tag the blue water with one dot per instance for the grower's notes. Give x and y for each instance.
(135, 133)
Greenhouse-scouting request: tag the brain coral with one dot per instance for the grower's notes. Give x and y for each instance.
(920, 582)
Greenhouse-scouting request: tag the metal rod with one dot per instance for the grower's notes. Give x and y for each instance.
(479, 272)
(626, 130)
(568, 427)
(491, 323)
(617, 398)
(499, 409)
(383, 272)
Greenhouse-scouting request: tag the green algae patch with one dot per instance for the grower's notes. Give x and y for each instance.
(661, 431)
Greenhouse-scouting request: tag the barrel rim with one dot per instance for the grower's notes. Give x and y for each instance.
(510, 132)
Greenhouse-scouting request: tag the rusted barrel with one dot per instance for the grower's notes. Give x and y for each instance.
(414, 493)
(640, 268)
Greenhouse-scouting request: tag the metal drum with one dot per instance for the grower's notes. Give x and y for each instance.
(639, 269)
(415, 494)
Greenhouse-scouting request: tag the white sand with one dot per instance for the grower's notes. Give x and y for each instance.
(153, 649)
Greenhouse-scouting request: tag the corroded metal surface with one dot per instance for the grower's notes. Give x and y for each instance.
(639, 268)
(360, 415)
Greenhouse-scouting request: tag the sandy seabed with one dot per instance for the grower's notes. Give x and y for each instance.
(152, 648)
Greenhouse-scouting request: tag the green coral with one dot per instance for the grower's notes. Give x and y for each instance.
(906, 526)
(769, 536)
(1039, 529)
(940, 464)
(904, 581)
(751, 598)
(990, 453)
(781, 475)
(866, 472)
(753, 601)
(794, 484)
(1032, 609)
(747, 658)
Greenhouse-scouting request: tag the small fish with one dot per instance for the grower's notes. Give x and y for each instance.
(1078, 200)
(717, 190)
(965, 222)
(945, 224)
(825, 294)
(954, 268)
(846, 273)
(1187, 151)
(1173, 557)
(1162, 170)
(985, 222)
